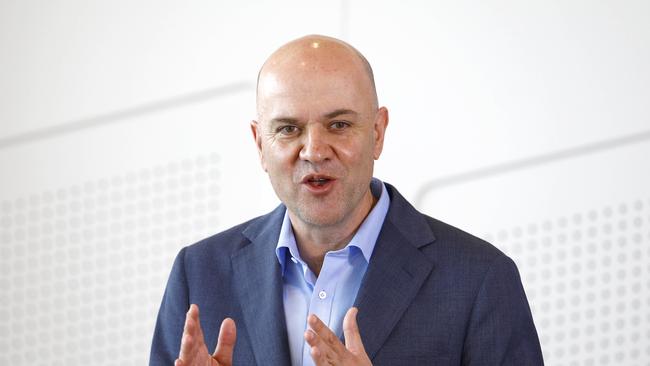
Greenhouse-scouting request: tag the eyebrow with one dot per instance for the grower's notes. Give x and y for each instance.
(339, 112)
(330, 115)
(284, 120)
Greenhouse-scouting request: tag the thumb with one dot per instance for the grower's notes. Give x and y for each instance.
(351, 332)
(226, 342)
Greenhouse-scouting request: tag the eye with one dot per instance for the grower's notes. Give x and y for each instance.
(339, 125)
(287, 130)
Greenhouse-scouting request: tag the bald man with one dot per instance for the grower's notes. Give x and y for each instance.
(345, 271)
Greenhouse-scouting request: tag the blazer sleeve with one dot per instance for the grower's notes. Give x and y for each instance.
(171, 316)
(501, 329)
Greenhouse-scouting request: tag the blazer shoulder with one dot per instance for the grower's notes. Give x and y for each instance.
(441, 242)
(462, 245)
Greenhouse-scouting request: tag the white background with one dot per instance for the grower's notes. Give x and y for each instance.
(124, 136)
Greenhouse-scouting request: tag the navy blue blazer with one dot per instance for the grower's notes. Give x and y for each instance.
(432, 295)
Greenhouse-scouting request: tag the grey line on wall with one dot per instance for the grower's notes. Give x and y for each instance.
(116, 116)
(430, 186)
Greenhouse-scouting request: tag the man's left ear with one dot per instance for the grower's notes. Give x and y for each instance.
(381, 122)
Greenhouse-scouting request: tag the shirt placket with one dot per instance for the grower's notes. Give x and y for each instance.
(322, 298)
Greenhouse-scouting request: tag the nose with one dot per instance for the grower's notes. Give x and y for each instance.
(315, 148)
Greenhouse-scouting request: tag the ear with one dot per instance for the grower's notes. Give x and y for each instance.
(381, 122)
(256, 130)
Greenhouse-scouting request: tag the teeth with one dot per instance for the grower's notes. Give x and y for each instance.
(318, 181)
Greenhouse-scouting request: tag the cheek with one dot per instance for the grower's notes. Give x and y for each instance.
(357, 157)
(278, 160)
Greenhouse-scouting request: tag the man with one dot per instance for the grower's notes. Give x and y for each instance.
(345, 271)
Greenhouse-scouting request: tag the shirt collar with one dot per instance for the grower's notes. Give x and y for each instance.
(364, 239)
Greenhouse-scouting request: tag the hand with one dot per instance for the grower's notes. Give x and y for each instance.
(327, 349)
(193, 349)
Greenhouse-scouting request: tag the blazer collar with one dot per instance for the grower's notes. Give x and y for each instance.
(258, 284)
(411, 224)
(395, 273)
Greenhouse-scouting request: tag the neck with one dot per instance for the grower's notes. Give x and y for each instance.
(315, 241)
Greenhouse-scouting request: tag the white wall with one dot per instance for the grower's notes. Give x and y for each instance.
(124, 136)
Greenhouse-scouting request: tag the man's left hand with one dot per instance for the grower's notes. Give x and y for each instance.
(327, 349)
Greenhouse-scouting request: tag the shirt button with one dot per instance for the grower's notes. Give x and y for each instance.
(322, 295)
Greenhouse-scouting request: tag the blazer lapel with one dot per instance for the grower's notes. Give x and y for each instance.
(258, 283)
(395, 273)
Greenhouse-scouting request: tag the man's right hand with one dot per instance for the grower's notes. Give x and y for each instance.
(194, 352)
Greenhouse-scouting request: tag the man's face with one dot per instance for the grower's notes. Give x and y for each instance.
(318, 134)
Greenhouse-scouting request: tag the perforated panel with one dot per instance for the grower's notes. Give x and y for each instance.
(587, 276)
(84, 267)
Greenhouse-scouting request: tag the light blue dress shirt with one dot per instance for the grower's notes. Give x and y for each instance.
(332, 293)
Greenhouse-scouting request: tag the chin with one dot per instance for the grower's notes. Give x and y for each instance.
(318, 217)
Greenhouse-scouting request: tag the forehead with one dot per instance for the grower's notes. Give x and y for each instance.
(304, 89)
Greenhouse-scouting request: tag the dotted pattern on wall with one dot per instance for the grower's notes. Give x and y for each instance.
(587, 277)
(84, 268)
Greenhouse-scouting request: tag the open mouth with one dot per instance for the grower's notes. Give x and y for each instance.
(318, 183)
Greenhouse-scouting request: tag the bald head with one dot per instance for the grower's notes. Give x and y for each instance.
(308, 60)
(318, 132)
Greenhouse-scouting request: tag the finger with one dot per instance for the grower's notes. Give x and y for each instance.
(319, 349)
(194, 314)
(188, 345)
(186, 340)
(226, 342)
(192, 335)
(326, 334)
(351, 332)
